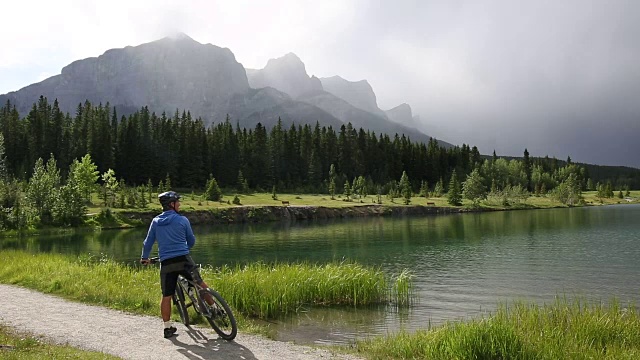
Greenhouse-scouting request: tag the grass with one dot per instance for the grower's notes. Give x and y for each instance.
(14, 345)
(563, 330)
(193, 202)
(255, 290)
(266, 291)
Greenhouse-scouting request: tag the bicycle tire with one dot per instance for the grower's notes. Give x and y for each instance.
(220, 315)
(179, 301)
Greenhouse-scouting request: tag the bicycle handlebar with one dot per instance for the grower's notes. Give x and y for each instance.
(152, 260)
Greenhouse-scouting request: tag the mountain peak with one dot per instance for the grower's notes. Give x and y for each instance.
(179, 36)
(401, 114)
(287, 74)
(289, 61)
(357, 93)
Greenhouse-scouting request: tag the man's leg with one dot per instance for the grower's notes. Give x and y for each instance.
(165, 308)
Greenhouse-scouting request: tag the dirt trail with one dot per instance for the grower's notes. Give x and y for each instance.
(133, 336)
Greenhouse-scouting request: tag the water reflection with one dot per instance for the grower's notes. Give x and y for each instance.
(465, 264)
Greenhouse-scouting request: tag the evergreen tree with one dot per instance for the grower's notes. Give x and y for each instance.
(424, 189)
(242, 185)
(213, 191)
(142, 196)
(405, 188)
(274, 196)
(347, 190)
(332, 181)
(149, 190)
(3, 168)
(527, 168)
(454, 195)
(167, 183)
(438, 190)
(590, 184)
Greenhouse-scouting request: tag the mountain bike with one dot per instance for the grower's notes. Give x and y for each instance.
(190, 294)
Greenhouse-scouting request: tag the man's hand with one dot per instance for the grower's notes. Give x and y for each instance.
(145, 261)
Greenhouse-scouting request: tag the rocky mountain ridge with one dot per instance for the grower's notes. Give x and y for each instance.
(179, 73)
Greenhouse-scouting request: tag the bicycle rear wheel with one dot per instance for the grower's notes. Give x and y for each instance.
(179, 301)
(219, 315)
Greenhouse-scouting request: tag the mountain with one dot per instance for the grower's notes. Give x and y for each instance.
(401, 114)
(359, 118)
(179, 73)
(357, 93)
(287, 74)
(168, 74)
(353, 102)
(267, 105)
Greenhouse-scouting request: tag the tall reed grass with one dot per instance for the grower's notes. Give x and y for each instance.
(562, 330)
(269, 290)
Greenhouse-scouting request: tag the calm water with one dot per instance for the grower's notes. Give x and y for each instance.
(464, 264)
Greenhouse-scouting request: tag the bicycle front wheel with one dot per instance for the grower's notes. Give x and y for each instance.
(219, 315)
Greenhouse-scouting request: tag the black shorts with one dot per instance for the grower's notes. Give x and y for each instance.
(171, 268)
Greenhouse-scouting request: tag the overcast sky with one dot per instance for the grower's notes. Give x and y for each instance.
(561, 78)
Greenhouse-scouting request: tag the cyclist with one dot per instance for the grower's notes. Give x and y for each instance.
(175, 237)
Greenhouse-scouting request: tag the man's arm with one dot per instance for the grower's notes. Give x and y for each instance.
(147, 245)
(191, 238)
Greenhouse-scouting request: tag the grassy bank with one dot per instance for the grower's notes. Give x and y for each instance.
(255, 290)
(14, 345)
(266, 291)
(563, 330)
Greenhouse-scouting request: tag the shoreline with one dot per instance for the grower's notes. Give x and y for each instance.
(267, 213)
(239, 214)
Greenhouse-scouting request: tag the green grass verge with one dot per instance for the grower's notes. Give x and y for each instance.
(563, 330)
(255, 290)
(14, 345)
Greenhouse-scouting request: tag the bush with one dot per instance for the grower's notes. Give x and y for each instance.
(236, 200)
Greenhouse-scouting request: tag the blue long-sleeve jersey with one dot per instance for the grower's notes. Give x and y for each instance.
(173, 233)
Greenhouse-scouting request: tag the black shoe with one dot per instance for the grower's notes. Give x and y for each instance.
(169, 332)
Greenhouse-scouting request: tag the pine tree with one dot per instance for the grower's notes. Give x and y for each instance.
(213, 191)
(149, 189)
(243, 186)
(424, 189)
(167, 183)
(3, 168)
(438, 190)
(454, 196)
(405, 188)
(332, 181)
(347, 190)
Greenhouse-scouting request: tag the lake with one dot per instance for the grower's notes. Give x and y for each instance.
(464, 264)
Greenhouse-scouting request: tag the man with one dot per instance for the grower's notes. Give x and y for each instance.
(175, 237)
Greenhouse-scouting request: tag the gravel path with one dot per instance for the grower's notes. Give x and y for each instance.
(133, 336)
